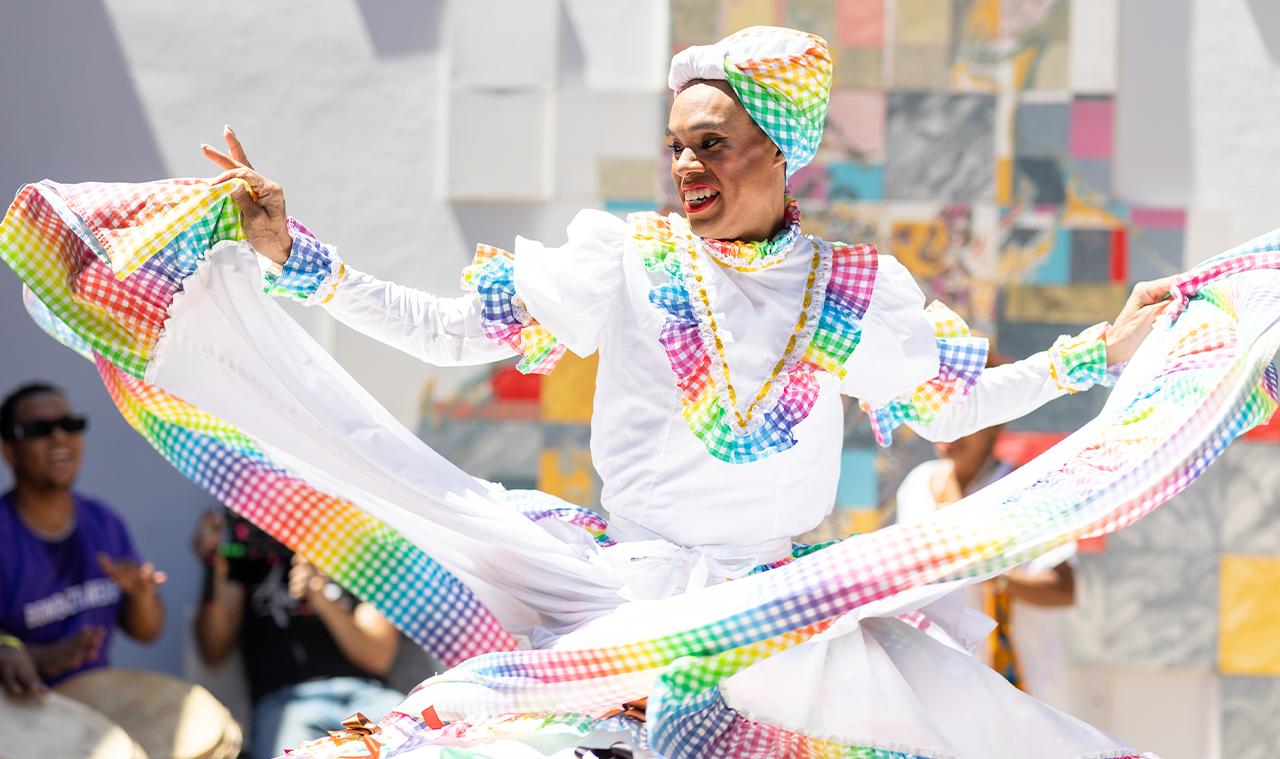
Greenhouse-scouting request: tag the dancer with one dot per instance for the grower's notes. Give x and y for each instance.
(726, 338)
(717, 424)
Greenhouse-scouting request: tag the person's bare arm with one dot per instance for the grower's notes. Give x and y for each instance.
(363, 635)
(219, 619)
(220, 616)
(1054, 587)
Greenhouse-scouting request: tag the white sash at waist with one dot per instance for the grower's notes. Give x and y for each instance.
(653, 568)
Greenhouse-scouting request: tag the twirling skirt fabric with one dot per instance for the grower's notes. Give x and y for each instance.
(154, 283)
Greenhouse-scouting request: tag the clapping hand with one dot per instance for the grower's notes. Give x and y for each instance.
(133, 578)
(70, 653)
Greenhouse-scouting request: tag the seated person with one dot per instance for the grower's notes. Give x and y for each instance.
(314, 655)
(1027, 646)
(68, 570)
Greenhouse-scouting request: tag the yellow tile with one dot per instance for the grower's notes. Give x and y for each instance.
(628, 178)
(981, 22)
(860, 520)
(1053, 69)
(1004, 181)
(1064, 304)
(693, 22)
(857, 68)
(921, 246)
(1249, 615)
(924, 22)
(568, 475)
(921, 67)
(744, 13)
(568, 391)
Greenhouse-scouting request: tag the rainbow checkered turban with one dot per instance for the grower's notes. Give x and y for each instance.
(782, 77)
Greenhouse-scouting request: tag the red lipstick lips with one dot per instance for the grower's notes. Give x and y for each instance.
(704, 196)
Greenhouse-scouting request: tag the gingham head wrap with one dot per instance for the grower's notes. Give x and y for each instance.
(782, 77)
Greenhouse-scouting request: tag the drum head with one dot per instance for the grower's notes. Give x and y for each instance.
(41, 727)
(170, 718)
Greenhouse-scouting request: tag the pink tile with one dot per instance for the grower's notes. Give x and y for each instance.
(1091, 127)
(1158, 218)
(810, 183)
(855, 125)
(860, 23)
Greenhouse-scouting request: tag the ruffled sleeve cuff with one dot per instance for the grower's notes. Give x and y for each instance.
(961, 358)
(311, 274)
(1080, 362)
(503, 315)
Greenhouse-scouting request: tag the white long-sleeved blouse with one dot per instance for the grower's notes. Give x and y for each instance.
(645, 294)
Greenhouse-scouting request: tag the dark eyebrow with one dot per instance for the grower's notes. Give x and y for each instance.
(706, 125)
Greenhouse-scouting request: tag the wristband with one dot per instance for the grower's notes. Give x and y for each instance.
(11, 642)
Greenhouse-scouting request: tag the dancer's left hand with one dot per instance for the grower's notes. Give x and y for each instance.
(266, 225)
(1136, 319)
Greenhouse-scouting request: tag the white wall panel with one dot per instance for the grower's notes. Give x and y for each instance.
(625, 42)
(1095, 45)
(502, 43)
(498, 145)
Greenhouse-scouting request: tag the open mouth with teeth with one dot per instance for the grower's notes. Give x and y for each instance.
(698, 197)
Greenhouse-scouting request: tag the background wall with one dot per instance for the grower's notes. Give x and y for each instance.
(1028, 159)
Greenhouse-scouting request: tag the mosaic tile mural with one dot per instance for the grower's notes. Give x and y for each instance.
(974, 140)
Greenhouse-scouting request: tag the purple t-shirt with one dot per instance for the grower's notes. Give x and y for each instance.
(50, 590)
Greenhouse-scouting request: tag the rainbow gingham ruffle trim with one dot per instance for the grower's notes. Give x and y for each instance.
(961, 358)
(503, 315)
(842, 295)
(311, 274)
(67, 243)
(1078, 363)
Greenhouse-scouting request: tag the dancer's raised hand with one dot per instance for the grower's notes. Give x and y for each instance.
(1136, 319)
(266, 225)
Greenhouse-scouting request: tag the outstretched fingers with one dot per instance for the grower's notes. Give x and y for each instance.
(233, 144)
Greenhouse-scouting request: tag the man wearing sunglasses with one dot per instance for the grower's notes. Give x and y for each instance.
(68, 570)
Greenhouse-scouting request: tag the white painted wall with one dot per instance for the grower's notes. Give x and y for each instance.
(344, 103)
(360, 139)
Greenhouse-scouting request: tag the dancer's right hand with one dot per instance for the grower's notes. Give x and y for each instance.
(266, 225)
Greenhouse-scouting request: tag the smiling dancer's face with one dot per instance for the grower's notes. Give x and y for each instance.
(731, 177)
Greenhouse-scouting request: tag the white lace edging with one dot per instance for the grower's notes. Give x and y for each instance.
(328, 286)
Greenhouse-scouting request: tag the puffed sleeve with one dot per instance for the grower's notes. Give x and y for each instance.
(569, 290)
(911, 362)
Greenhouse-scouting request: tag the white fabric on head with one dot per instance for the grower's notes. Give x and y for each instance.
(707, 61)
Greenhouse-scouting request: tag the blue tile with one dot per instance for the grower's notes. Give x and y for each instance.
(1056, 269)
(1038, 180)
(855, 181)
(1155, 253)
(1094, 173)
(624, 207)
(859, 485)
(1043, 130)
(1091, 255)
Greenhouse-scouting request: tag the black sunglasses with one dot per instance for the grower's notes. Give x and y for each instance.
(45, 427)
